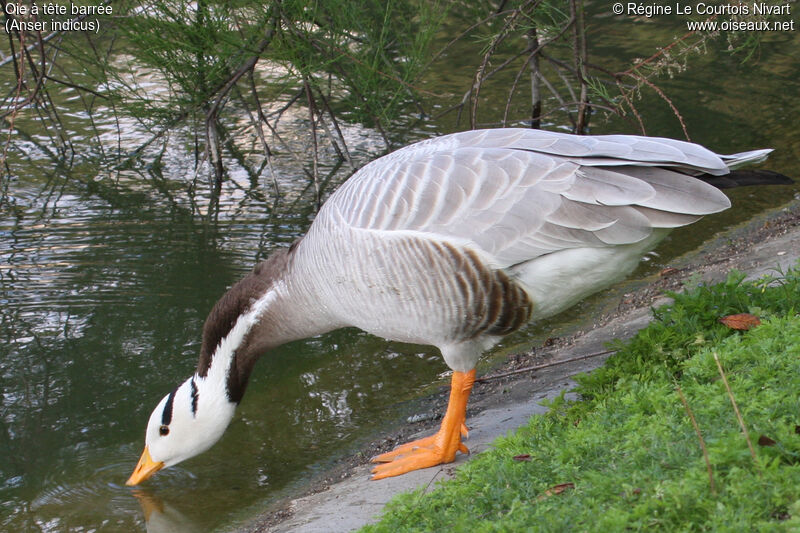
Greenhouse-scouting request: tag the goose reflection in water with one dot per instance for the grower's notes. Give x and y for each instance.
(161, 517)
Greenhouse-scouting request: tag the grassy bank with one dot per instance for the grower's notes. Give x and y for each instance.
(628, 455)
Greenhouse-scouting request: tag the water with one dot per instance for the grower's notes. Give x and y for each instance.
(103, 292)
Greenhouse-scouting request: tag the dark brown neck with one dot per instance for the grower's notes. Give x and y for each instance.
(235, 305)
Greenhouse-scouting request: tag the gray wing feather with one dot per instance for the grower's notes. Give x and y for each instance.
(678, 193)
(597, 185)
(596, 150)
(517, 194)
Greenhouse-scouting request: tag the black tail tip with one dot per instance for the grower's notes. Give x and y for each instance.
(746, 178)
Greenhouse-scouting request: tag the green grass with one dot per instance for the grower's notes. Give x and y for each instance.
(629, 447)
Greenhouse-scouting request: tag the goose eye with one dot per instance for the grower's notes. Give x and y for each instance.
(163, 431)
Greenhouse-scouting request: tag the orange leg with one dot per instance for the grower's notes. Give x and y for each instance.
(438, 448)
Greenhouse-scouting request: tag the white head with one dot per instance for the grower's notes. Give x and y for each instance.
(190, 419)
(185, 423)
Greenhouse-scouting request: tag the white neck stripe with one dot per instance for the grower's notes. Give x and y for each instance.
(226, 349)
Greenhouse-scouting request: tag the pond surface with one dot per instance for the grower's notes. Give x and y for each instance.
(103, 293)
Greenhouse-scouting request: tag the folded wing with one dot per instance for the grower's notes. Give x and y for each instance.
(517, 194)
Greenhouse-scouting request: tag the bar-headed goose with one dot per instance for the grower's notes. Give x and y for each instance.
(454, 242)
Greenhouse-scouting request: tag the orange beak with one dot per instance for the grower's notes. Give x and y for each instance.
(145, 469)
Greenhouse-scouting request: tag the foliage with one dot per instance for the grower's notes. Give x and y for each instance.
(217, 78)
(374, 49)
(221, 75)
(359, 56)
(627, 455)
(549, 43)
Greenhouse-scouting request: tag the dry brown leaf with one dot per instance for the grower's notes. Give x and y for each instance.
(763, 440)
(741, 321)
(554, 490)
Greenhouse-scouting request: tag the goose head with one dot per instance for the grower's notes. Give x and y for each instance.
(255, 315)
(186, 422)
(191, 418)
